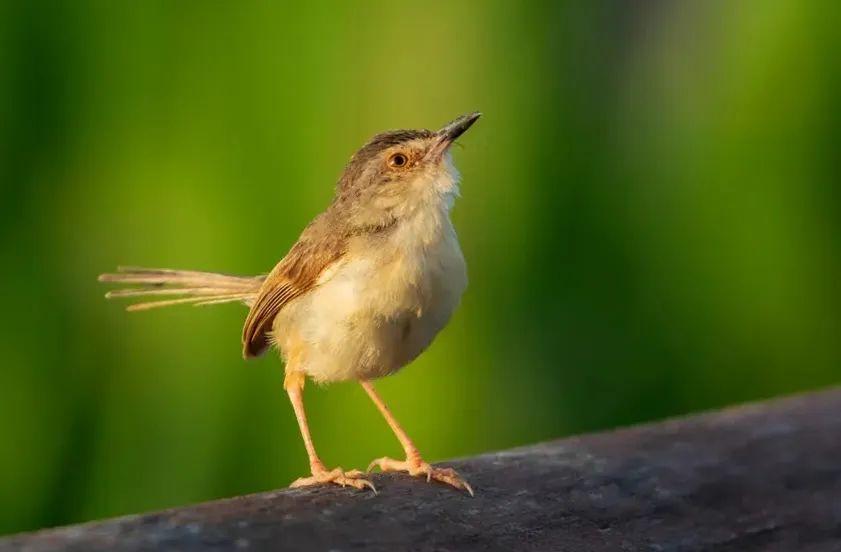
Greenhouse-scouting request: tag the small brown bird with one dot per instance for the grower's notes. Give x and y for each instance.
(365, 289)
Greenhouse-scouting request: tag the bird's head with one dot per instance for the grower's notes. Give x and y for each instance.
(400, 171)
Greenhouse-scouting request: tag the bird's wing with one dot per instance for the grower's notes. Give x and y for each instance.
(295, 275)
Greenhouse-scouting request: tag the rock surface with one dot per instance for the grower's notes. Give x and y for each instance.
(764, 476)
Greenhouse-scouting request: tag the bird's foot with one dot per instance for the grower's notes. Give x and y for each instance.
(418, 468)
(321, 476)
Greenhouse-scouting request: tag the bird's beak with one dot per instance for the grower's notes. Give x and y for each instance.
(453, 130)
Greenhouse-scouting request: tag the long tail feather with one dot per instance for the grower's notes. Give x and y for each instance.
(197, 288)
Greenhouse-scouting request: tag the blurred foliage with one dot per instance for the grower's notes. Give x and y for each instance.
(650, 213)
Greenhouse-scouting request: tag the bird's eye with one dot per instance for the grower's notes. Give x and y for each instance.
(398, 160)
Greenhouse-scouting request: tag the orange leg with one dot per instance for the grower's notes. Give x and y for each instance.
(294, 384)
(413, 464)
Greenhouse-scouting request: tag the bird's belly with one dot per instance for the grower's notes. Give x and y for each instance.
(374, 316)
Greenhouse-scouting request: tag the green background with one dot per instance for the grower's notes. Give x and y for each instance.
(650, 214)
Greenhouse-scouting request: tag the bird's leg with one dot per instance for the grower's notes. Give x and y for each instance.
(413, 464)
(294, 384)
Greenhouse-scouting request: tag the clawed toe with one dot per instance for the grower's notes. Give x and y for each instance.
(419, 468)
(352, 478)
(450, 477)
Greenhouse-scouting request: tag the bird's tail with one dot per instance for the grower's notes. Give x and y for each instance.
(185, 286)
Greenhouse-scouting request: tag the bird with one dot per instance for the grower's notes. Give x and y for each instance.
(364, 290)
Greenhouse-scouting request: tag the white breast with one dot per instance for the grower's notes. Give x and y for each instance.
(381, 306)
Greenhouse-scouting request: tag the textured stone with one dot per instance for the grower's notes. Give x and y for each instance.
(765, 476)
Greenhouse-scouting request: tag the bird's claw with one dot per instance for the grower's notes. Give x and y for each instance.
(352, 478)
(418, 467)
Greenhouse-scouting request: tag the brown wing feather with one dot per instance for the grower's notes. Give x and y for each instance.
(318, 247)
